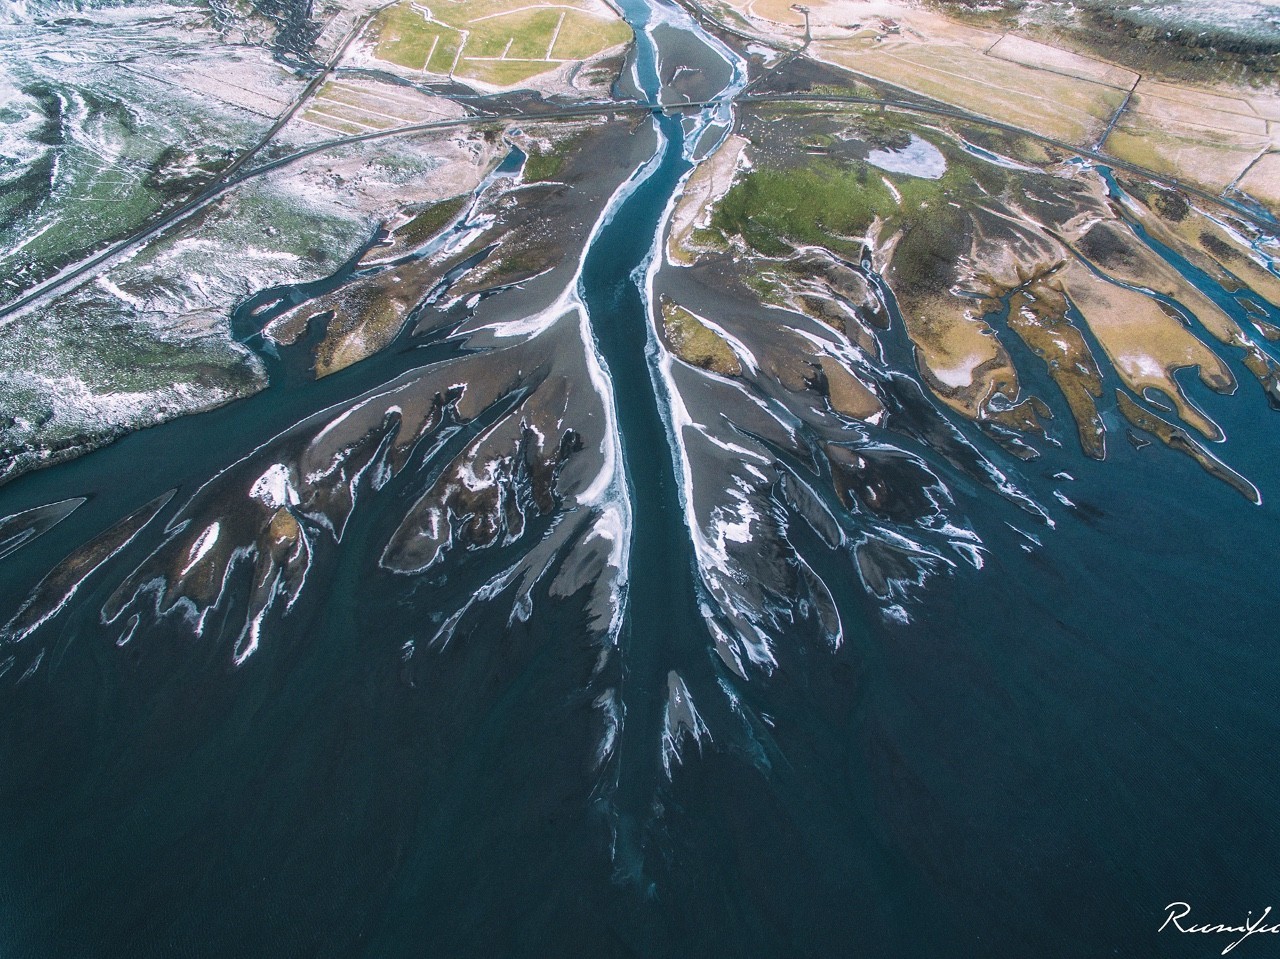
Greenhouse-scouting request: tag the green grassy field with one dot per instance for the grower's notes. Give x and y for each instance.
(832, 204)
(406, 39)
(504, 43)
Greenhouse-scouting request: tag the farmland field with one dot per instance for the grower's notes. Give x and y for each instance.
(503, 44)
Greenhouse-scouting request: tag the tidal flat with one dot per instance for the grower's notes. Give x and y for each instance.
(969, 249)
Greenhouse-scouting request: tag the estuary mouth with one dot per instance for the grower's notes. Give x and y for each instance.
(651, 479)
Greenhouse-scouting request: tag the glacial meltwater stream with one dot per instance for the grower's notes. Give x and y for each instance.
(289, 710)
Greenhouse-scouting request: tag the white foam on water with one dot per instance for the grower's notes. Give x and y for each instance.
(607, 491)
(729, 523)
(274, 488)
(200, 548)
(680, 720)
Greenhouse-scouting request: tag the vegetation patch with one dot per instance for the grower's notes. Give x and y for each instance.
(696, 343)
(543, 165)
(427, 223)
(1139, 38)
(406, 38)
(832, 204)
(1170, 204)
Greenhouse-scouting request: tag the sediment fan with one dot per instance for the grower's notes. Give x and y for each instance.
(704, 479)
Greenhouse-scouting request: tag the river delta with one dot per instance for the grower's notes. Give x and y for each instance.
(678, 483)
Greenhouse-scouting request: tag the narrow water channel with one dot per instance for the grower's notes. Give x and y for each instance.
(663, 635)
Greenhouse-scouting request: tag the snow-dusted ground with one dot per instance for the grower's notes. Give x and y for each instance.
(150, 337)
(1260, 18)
(110, 113)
